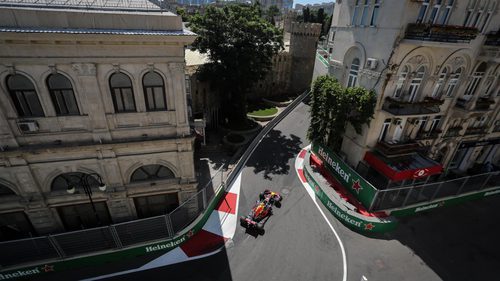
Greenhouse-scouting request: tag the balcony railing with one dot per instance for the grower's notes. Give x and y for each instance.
(440, 33)
(483, 104)
(493, 39)
(453, 132)
(475, 130)
(428, 134)
(397, 107)
(397, 148)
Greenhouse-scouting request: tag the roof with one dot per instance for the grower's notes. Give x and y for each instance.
(133, 5)
(184, 32)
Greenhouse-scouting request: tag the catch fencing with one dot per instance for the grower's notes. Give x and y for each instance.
(412, 195)
(111, 237)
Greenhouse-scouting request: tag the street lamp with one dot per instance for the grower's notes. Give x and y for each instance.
(84, 181)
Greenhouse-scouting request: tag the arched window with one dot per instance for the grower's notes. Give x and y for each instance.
(415, 83)
(436, 93)
(5, 191)
(23, 94)
(364, 15)
(401, 81)
(63, 97)
(452, 84)
(477, 76)
(63, 181)
(154, 91)
(353, 73)
(151, 173)
(122, 93)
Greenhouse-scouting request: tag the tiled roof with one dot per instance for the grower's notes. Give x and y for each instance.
(149, 5)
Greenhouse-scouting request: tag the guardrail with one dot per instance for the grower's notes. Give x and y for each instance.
(127, 235)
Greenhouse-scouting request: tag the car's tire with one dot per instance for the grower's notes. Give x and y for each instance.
(277, 204)
(243, 222)
(259, 226)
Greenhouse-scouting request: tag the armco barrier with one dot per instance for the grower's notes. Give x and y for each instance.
(47, 247)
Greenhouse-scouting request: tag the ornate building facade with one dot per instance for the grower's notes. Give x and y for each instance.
(92, 99)
(435, 68)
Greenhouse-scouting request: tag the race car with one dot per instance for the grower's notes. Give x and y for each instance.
(262, 210)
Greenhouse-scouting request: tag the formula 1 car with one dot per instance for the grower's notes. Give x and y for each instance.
(262, 210)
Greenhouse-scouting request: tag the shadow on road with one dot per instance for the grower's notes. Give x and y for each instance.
(274, 153)
(457, 243)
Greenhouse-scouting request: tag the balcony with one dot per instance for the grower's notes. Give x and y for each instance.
(397, 107)
(440, 33)
(475, 130)
(483, 104)
(493, 39)
(453, 132)
(391, 148)
(428, 134)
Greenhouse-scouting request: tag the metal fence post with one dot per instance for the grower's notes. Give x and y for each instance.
(436, 192)
(487, 179)
(407, 196)
(204, 198)
(463, 184)
(56, 246)
(168, 223)
(115, 236)
(373, 200)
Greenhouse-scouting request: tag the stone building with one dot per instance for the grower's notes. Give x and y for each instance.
(91, 94)
(435, 68)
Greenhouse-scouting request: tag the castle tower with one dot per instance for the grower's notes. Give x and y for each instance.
(303, 43)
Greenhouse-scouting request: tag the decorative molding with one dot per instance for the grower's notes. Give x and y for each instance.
(370, 73)
(418, 60)
(84, 69)
(457, 62)
(116, 67)
(53, 68)
(151, 67)
(177, 66)
(11, 69)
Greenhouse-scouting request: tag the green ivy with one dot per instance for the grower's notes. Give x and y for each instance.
(333, 107)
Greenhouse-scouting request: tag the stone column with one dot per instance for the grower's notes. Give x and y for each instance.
(92, 101)
(179, 91)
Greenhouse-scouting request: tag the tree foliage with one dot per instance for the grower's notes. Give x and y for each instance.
(334, 107)
(240, 46)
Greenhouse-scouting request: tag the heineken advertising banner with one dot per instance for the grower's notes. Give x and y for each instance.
(445, 202)
(119, 255)
(353, 220)
(350, 179)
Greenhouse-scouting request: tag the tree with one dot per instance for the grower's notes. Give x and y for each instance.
(326, 25)
(320, 16)
(272, 12)
(334, 107)
(240, 46)
(306, 14)
(182, 12)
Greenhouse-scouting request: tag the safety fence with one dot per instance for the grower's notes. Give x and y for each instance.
(418, 194)
(111, 237)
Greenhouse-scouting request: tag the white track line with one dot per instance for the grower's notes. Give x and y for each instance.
(311, 193)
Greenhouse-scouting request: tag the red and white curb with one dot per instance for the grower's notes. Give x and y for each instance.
(299, 168)
(220, 227)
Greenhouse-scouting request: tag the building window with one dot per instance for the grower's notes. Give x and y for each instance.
(122, 93)
(423, 11)
(364, 15)
(385, 128)
(439, 84)
(485, 22)
(435, 124)
(415, 83)
(15, 226)
(475, 22)
(154, 92)
(24, 96)
(355, 13)
(82, 216)
(435, 11)
(353, 73)
(477, 76)
(151, 173)
(156, 205)
(401, 81)
(452, 84)
(376, 9)
(62, 95)
(5, 191)
(445, 14)
(63, 181)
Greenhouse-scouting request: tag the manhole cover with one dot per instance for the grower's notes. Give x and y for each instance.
(285, 191)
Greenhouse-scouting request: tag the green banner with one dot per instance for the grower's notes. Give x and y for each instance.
(350, 179)
(445, 202)
(353, 220)
(118, 255)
